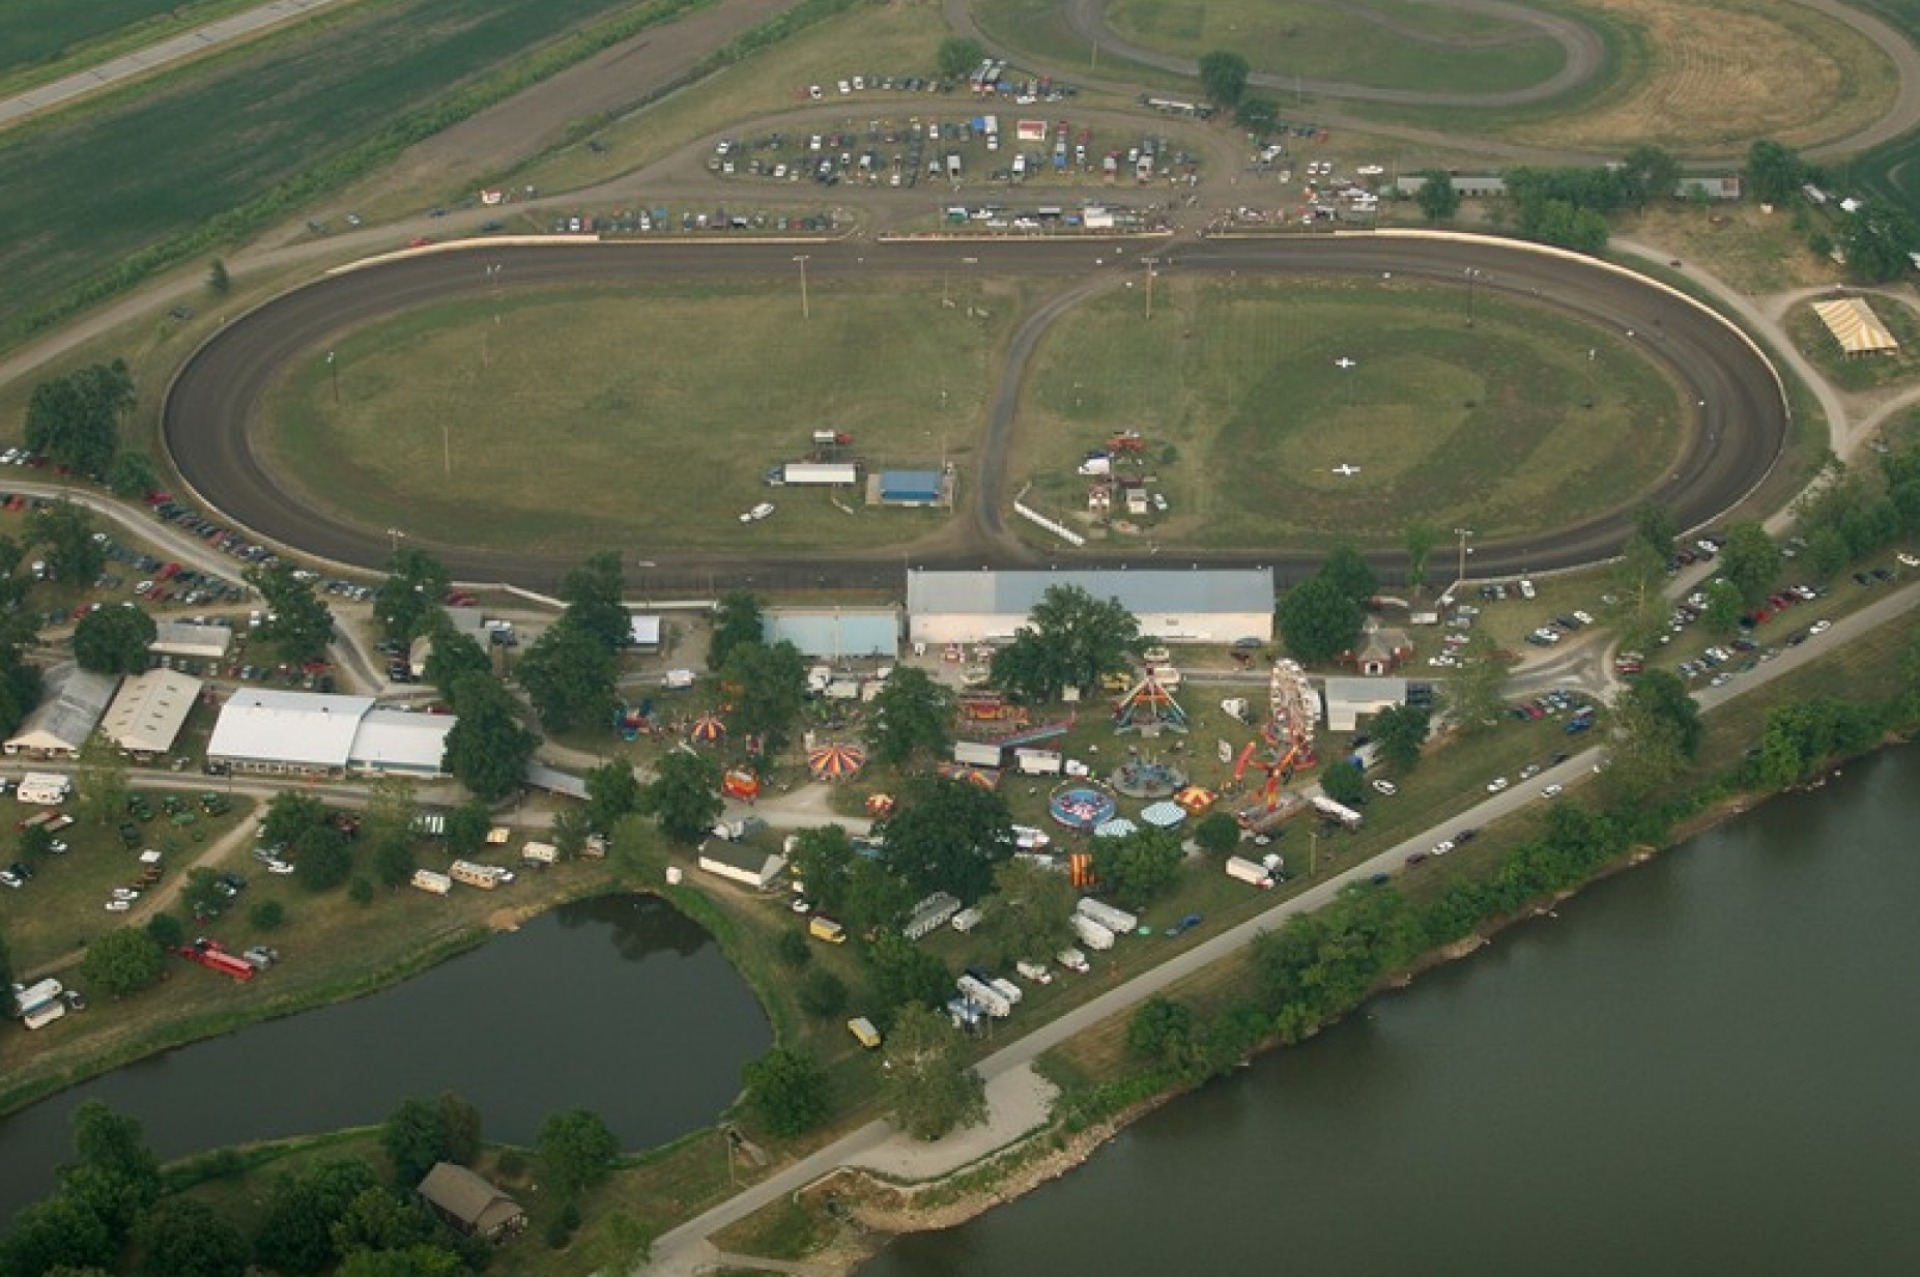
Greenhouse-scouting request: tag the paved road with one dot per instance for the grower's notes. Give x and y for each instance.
(141, 62)
(211, 406)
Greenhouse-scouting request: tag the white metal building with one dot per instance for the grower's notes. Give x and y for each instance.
(149, 710)
(742, 863)
(1173, 606)
(191, 641)
(309, 733)
(59, 725)
(1348, 699)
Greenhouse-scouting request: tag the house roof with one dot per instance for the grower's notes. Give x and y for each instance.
(1195, 591)
(835, 631)
(184, 638)
(743, 857)
(301, 729)
(909, 483)
(467, 1197)
(644, 629)
(555, 781)
(1365, 691)
(396, 740)
(75, 701)
(149, 710)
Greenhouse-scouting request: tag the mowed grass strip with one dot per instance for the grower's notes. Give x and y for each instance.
(582, 420)
(1386, 43)
(88, 189)
(40, 32)
(1239, 392)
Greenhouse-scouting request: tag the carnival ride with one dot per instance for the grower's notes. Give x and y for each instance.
(1082, 806)
(1148, 708)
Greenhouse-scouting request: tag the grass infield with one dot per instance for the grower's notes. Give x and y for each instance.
(578, 420)
(1238, 391)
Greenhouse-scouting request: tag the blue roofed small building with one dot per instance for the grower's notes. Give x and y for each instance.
(835, 633)
(912, 488)
(1214, 605)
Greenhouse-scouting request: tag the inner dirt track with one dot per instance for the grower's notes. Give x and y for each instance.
(208, 422)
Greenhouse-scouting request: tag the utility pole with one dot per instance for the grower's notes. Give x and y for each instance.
(1460, 575)
(333, 368)
(1474, 276)
(805, 311)
(1150, 263)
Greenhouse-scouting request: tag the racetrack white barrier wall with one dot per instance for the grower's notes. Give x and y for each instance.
(1054, 526)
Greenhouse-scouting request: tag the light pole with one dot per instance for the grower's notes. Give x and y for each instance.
(1150, 263)
(333, 369)
(971, 277)
(805, 312)
(1474, 276)
(1460, 575)
(393, 540)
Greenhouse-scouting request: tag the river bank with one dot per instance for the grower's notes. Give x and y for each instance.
(874, 1210)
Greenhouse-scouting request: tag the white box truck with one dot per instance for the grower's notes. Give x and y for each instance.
(1007, 989)
(1073, 960)
(967, 919)
(985, 996)
(1118, 921)
(436, 883)
(1034, 971)
(1251, 872)
(1091, 933)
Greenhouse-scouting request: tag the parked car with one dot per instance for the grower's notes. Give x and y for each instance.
(1386, 787)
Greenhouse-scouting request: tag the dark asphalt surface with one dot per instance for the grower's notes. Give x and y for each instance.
(208, 419)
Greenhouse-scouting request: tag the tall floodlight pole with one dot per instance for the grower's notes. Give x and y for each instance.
(805, 311)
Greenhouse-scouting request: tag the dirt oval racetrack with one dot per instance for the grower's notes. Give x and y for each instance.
(209, 418)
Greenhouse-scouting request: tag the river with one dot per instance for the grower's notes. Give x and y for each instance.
(1704, 1066)
(619, 1005)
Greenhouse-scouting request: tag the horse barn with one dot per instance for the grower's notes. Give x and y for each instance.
(1200, 605)
(315, 734)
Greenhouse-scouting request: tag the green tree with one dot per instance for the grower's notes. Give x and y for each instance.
(738, 621)
(1775, 173)
(927, 1088)
(296, 1233)
(297, 624)
(823, 858)
(408, 601)
(487, 748)
(219, 283)
(392, 810)
(684, 796)
(569, 831)
(201, 893)
(462, 1122)
(947, 835)
(1318, 621)
(1139, 867)
(1475, 695)
(576, 1151)
(877, 897)
(621, 1244)
(912, 718)
(787, 1092)
(267, 915)
(393, 861)
(1437, 198)
(1657, 731)
(1400, 733)
(132, 475)
(467, 828)
(414, 1137)
(1342, 782)
(324, 857)
(1217, 833)
(1071, 639)
(289, 815)
(1877, 239)
(1166, 1032)
(1347, 572)
(55, 1233)
(66, 528)
(379, 1219)
(902, 974)
(122, 962)
(613, 791)
(414, 1261)
(113, 640)
(116, 1174)
(1649, 173)
(75, 420)
(454, 655)
(100, 781)
(167, 931)
(1653, 524)
(569, 674)
(958, 56)
(1750, 560)
(1223, 74)
(1035, 905)
(182, 1237)
(772, 679)
(594, 593)
(1724, 608)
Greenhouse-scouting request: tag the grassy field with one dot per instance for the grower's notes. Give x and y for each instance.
(1389, 43)
(580, 420)
(1246, 412)
(191, 147)
(1699, 79)
(39, 39)
(1755, 252)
